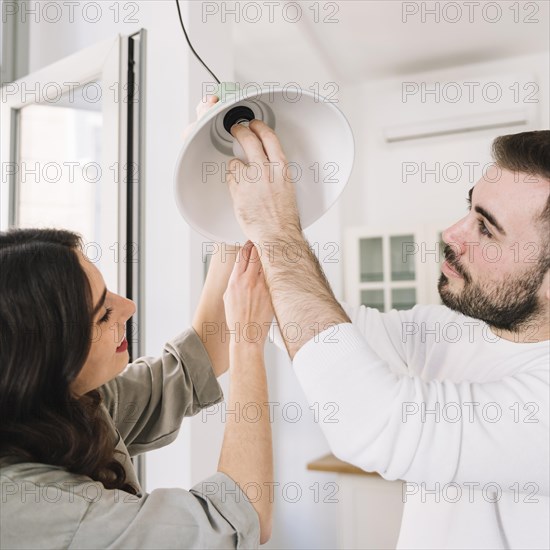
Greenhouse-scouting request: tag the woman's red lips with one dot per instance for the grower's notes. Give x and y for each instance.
(123, 346)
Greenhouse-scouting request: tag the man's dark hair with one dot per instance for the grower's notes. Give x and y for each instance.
(529, 152)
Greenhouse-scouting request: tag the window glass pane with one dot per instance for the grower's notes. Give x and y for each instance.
(373, 298)
(403, 250)
(403, 298)
(370, 259)
(60, 167)
(59, 163)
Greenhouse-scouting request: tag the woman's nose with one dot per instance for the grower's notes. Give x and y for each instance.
(129, 307)
(133, 307)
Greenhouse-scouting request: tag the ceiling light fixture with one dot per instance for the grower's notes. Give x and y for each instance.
(315, 135)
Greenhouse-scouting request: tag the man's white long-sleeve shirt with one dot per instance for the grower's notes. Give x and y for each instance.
(434, 398)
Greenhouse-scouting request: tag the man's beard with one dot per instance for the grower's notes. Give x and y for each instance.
(509, 306)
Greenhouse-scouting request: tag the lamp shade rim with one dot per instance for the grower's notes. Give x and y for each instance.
(189, 213)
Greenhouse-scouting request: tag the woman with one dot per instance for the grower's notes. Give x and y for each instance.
(72, 411)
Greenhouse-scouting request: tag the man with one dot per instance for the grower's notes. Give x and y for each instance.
(464, 422)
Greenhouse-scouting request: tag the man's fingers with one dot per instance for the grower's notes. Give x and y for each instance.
(234, 172)
(250, 143)
(270, 142)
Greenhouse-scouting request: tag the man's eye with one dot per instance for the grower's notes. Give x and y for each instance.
(483, 229)
(107, 315)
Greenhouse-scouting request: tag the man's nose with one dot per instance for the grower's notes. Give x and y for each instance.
(454, 237)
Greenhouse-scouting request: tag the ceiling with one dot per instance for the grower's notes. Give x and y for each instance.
(382, 38)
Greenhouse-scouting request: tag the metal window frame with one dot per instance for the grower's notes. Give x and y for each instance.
(120, 60)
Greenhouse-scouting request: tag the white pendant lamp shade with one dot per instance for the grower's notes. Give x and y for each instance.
(314, 134)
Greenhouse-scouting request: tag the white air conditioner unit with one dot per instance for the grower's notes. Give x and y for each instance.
(458, 125)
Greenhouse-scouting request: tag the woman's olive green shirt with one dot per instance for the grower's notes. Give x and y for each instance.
(45, 506)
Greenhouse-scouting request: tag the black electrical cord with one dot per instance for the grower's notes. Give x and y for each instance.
(192, 49)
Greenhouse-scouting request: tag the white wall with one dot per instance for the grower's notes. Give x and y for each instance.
(387, 195)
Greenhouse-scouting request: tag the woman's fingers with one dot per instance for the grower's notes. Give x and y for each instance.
(248, 261)
(203, 106)
(205, 103)
(254, 263)
(242, 258)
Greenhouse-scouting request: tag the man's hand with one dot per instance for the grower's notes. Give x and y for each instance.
(265, 206)
(263, 198)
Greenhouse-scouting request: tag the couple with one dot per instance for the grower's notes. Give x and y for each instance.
(72, 414)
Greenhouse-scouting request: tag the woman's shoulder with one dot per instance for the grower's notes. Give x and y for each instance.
(41, 502)
(24, 482)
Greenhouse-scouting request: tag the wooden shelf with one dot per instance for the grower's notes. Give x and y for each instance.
(329, 463)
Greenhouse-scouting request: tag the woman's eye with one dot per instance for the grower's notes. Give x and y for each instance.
(107, 315)
(483, 229)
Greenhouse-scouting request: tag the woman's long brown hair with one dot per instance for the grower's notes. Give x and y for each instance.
(45, 337)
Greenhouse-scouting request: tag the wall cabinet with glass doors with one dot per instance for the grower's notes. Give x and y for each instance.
(392, 268)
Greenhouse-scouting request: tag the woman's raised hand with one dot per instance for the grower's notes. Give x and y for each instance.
(248, 308)
(206, 103)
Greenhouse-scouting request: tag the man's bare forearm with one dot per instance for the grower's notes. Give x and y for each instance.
(302, 299)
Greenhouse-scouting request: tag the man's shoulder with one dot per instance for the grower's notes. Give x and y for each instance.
(436, 312)
(420, 312)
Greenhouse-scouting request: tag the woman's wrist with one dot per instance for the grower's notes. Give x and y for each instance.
(246, 346)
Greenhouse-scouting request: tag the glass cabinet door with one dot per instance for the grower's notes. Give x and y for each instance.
(402, 251)
(403, 298)
(387, 271)
(373, 298)
(371, 260)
